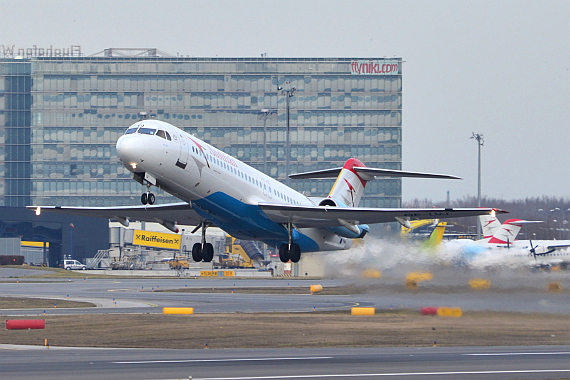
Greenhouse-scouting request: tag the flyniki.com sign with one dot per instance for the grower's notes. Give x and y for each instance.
(374, 67)
(156, 239)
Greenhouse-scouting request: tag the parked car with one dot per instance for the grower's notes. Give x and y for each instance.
(73, 265)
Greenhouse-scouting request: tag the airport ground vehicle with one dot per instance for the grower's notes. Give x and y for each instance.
(73, 265)
(178, 264)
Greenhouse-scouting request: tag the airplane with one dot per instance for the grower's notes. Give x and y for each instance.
(503, 236)
(434, 238)
(219, 190)
(496, 233)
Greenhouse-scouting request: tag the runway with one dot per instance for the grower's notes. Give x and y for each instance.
(509, 292)
(518, 293)
(540, 362)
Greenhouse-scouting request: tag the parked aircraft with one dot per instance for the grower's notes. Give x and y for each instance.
(496, 233)
(498, 237)
(219, 190)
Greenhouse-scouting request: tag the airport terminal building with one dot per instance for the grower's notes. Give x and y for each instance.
(60, 117)
(62, 111)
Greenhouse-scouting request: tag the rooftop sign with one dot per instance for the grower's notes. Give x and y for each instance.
(11, 51)
(374, 67)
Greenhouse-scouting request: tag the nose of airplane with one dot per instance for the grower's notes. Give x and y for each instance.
(130, 150)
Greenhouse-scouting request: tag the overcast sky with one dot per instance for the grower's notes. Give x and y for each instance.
(501, 68)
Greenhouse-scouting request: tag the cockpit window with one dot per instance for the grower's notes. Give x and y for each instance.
(131, 130)
(147, 131)
(163, 134)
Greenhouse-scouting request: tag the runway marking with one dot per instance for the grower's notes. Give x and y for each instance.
(519, 353)
(222, 360)
(352, 375)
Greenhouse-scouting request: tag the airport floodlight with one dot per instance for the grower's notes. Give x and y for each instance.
(265, 112)
(479, 138)
(288, 94)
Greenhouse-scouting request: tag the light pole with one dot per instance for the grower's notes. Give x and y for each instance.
(71, 240)
(288, 93)
(265, 112)
(480, 142)
(554, 210)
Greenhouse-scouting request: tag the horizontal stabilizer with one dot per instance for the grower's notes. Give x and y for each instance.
(369, 173)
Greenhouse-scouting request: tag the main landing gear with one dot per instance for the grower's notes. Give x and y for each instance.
(202, 251)
(291, 251)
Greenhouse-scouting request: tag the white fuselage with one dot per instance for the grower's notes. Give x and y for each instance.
(220, 188)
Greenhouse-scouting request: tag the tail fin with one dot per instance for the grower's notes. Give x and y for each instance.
(417, 224)
(489, 224)
(436, 236)
(349, 186)
(507, 233)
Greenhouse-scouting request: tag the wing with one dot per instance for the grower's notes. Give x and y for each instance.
(558, 246)
(181, 213)
(324, 216)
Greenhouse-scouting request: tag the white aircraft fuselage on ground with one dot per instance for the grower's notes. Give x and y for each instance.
(219, 190)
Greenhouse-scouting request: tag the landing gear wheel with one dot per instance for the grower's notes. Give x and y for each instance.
(197, 252)
(144, 198)
(295, 252)
(150, 198)
(284, 253)
(208, 252)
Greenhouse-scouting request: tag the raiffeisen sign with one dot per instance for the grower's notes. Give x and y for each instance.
(11, 51)
(374, 67)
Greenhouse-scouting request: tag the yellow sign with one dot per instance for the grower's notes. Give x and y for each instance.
(215, 273)
(156, 239)
(34, 244)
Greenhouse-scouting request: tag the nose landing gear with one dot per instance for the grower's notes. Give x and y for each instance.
(148, 197)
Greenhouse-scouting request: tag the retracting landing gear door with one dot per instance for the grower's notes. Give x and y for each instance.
(183, 158)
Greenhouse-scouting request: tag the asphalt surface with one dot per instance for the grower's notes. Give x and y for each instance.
(511, 292)
(22, 362)
(514, 292)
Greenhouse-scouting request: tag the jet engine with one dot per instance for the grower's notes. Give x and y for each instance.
(346, 229)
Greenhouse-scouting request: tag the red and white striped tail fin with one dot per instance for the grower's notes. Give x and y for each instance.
(507, 233)
(489, 224)
(349, 186)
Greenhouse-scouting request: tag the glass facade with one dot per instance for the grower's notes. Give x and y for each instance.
(60, 119)
(15, 117)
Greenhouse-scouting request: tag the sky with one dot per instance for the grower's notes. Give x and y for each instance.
(500, 68)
